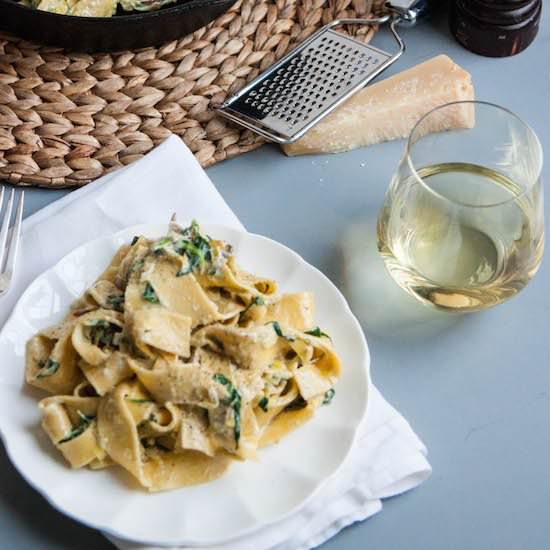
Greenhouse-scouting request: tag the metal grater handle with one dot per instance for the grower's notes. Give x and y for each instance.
(394, 21)
(293, 95)
(409, 11)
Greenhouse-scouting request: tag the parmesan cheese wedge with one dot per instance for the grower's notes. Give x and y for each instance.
(390, 108)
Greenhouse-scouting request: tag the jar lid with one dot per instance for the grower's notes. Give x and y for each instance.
(513, 12)
(495, 28)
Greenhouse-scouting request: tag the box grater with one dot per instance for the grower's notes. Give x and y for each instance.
(293, 95)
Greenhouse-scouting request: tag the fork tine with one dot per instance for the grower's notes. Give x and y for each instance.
(4, 229)
(14, 241)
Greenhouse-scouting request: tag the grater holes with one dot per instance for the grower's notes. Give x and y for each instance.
(295, 93)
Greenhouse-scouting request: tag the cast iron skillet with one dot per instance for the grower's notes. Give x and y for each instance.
(120, 32)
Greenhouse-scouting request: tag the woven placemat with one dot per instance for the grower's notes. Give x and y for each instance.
(67, 118)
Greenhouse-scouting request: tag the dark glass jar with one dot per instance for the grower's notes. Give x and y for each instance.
(495, 28)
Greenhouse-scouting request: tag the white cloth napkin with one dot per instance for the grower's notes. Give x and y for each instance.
(388, 457)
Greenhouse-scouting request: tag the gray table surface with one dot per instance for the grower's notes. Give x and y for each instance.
(475, 388)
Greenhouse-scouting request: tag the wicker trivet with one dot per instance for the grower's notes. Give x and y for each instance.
(67, 118)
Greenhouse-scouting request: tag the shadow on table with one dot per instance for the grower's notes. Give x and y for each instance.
(39, 524)
(384, 308)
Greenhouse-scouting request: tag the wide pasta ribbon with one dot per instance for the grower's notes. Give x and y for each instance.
(176, 361)
(155, 466)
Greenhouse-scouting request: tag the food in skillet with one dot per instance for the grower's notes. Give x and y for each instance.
(95, 8)
(176, 361)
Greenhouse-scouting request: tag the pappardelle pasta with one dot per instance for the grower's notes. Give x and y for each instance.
(176, 361)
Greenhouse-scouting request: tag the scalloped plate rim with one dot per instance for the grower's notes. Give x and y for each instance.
(164, 542)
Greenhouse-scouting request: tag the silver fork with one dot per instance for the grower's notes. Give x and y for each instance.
(8, 248)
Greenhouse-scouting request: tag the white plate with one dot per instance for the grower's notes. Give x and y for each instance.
(251, 494)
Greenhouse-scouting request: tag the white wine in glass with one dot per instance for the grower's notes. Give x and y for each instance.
(462, 226)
